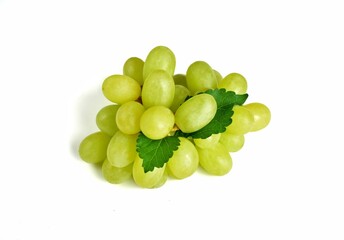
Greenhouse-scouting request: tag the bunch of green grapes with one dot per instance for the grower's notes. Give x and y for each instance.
(149, 98)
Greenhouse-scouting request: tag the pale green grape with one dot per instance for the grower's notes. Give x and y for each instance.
(180, 79)
(158, 89)
(106, 119)
(122, 149)
(133, 68)
(161, 58)
(184, 161)
(196, 112)
(207, 142)
(114, 174)
(180, 95)
(149, 179)
(157, 122)
(215, 160)
(200, 77)
(121, 89)
(128, 117)
(92, 149)
(234, 82)
(162, 180)
(261, 115)
(218, 76)
(232, 142)
(242, 121)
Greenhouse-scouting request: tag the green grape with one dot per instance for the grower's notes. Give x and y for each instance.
(121, 89)
(92, 149)
(234, 82)
(106, 119)
(261, 115)
(158, 89)
(200, 77)
(162, 180)
(133, 68)
(157, 122)
(184, 161)
(180, 79)
(180, 95)
(218, 76)
(232, 142)
(207, 142)
(128, 117)
(149, 179)
(215, 160)
(122, 149)
(242, 121)
(114, 174)
(196, 112)
(161, 58)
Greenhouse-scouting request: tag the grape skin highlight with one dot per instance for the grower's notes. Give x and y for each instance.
(195, 113)
(234, 82)
(200, 77)
(122, 149)
(128, 117)
(184, 161)
(121, 89)
(261, 115)
(157, 122)
(158, 89)
(159, 58)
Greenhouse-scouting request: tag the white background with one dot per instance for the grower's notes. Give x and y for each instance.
(286, 183)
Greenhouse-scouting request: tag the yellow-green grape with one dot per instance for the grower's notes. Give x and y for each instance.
(162, 180)
(196, 112)
(160, 57)
(207, 142)
(218, 76)
(133, 68)
(128, 117)
(106, 119)
(215, 160)
(232, 142)
(234, 82)
(114, 174)
(180, 79)
(242, 121)
(149, 179)
(184, 161)
(158, 89)
(261, 115)
(122, 149)
(180, 94)
(200, 77)
(92, 149)
(121, 89)
(157, 122)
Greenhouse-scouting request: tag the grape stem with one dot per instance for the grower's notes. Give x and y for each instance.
(174, 129)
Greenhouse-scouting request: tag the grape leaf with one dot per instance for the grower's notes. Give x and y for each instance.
(155, 153)
(225, 102)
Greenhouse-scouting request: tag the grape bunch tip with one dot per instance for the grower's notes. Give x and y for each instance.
(163, 125)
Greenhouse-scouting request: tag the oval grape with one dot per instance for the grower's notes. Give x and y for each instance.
(121, 89)
(195, 113)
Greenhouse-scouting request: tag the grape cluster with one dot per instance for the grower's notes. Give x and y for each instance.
(148, 98)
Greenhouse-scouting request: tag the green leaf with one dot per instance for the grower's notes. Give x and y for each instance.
(225, 102)
(155, 153)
